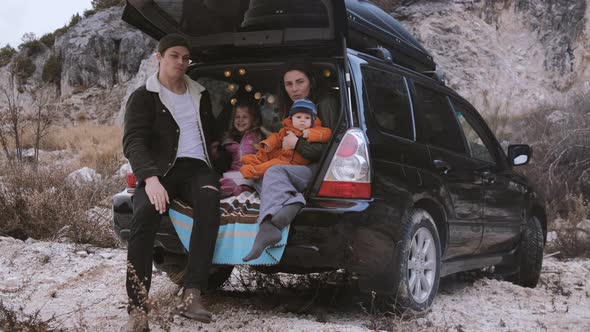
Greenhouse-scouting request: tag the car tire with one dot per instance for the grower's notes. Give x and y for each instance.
(530, 257)
(217, 276)
(419, 259)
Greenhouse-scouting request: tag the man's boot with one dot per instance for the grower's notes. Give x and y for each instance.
(192, 306)
(138, 322)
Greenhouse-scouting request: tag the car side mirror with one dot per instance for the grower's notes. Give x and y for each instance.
(519, 154)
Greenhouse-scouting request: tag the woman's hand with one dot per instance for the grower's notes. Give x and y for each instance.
(289, 141)
(156, 193)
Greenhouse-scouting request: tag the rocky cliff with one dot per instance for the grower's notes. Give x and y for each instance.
(101, 51)
(505, 56)
(99, 56)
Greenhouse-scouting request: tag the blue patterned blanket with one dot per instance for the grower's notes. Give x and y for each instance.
(237, 230)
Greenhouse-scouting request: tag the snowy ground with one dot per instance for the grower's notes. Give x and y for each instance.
(82, 289)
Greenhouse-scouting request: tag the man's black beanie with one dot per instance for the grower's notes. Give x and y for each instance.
(171, 40)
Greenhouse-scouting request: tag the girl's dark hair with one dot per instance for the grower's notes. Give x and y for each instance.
(254, 112)
(284, 101)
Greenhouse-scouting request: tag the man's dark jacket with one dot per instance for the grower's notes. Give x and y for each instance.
(150, 137)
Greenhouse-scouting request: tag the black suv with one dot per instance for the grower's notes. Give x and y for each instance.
(414, 185)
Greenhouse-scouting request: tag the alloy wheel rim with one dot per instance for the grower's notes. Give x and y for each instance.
(421, 265)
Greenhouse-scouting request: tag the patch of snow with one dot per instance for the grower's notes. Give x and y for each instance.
(61, 280)
(83, 175)
(124, 170)
(583, 232)
(551, 237)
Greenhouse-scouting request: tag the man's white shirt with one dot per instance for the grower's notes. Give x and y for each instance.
(185, 113)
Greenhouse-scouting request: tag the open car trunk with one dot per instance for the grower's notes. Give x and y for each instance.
(258, 82)
(221, 30)
(226, 29)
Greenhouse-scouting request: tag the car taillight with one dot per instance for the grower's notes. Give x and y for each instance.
(131, 180)
(348, 147)
(349, 173)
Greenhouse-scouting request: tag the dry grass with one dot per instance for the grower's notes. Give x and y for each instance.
(39, 202)
(577, 209)
(560, 168)
(98, 146)
(43, 204)
(17, 320)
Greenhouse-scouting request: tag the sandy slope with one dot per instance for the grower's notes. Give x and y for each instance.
(83, 289)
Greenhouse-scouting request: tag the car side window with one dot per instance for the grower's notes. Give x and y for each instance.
(435, 123)
(387, 96)
(475, 143)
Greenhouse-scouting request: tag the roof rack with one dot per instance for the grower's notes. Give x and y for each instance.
(370, 30)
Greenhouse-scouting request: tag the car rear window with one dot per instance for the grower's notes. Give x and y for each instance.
(387, 95)
(205, 17)
(436, 124)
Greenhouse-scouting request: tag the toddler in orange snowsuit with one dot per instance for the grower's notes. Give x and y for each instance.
(302, 122)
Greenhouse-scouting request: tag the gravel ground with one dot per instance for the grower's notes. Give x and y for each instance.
(79, 288)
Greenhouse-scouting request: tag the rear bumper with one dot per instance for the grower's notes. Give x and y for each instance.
(323, 236)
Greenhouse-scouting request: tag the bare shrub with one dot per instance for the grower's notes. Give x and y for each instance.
(498, 119)
(99, 147)
(12, 115)
(80, 88)
(560, 167)
(82, 117)
(574, 209)
(253, 280)
(41, 117)
(17, 320)
(43, 205)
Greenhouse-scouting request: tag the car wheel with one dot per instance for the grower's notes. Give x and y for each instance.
(176, 273)
(530, 258)
(419, 260)
(217, 276)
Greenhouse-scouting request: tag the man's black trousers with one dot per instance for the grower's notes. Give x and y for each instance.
(187, 180)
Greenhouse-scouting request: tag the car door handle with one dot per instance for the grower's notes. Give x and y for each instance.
(442, 165)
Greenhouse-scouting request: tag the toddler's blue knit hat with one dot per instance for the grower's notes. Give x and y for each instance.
(304, 105)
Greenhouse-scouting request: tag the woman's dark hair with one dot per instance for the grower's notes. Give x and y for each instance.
(284, 101)
(254, 111)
